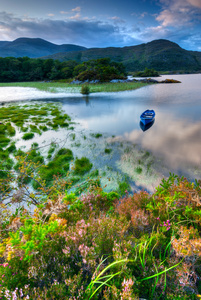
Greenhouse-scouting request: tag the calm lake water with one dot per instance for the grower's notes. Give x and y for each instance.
(175, 137)
(176, 133)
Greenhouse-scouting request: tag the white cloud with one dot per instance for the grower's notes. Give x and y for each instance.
(64, 12)
(75, 17)
(117, 20)
(78, 8)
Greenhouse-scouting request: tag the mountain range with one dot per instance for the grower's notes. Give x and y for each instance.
(162, 55)
(34, 48)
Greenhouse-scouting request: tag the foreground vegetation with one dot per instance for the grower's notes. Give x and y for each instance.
(101, 246)
(81, 242)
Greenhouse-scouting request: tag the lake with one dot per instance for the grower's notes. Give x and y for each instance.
(172, 144)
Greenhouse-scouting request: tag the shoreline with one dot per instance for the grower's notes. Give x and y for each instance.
(63, 87)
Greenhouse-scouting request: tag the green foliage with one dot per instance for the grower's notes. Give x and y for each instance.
(10, 129)
(101, 246)
(4, 141)
(138, 170)
(38, 234)
(102, 69)
(96, 135)
(11, 148)
(82, 166)
(28, 136)
(147, 73)
(28, 69)
(108, 151)
(124, 187)
(35, 129)
(85, 90)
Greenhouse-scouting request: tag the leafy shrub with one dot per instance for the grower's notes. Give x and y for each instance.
(147, 73)
(85, 90)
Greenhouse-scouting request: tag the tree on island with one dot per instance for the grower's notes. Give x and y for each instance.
(147, 73)
(102, 69)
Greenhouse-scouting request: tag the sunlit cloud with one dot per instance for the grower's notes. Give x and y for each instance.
(196, 3)
(179, 12)
(64, 12)
(78, 8)
(167, 18)
(117, 20)
(75, 17)
(143, 14)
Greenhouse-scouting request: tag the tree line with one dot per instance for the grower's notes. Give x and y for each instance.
(30, 69)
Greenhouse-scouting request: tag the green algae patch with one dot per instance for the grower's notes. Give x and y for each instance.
(32, 115)
(28, 136)
(58, 166)
(82, 166)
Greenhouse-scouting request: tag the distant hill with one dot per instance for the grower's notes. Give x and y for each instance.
(34, 47)
(161, 55)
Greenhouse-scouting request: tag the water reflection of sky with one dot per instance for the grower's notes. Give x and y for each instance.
(176, 133)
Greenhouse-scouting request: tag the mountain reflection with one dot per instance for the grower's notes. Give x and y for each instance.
(147, 126)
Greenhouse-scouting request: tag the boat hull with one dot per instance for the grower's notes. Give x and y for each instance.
(147, 116)
(146, 121)
(145, 127)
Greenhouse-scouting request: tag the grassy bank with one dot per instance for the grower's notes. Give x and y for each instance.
(55, 87)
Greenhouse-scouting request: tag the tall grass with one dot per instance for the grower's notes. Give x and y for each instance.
(56, 87)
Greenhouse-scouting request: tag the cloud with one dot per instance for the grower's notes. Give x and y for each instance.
(196, 3)
(88, 32)
(75, 17)
(178, 13)
(117, 20)
(64, 12)
(78, 8)
(178, 21)
(142, 15)
(168, 18)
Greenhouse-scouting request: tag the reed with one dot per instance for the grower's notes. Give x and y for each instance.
(58, 87)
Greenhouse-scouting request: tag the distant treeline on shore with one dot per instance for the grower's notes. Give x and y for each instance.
(29, 69)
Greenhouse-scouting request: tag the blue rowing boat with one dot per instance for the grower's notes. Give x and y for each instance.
(147, 126)
(147, 116)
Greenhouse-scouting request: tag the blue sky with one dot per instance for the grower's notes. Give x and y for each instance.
(103, 23)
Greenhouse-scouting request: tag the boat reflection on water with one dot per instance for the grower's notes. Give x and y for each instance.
(147, 126)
